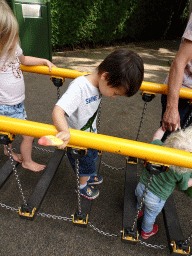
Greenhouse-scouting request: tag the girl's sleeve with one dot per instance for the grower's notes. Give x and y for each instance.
(19, 50)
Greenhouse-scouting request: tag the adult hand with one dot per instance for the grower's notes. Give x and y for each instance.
(171, 119)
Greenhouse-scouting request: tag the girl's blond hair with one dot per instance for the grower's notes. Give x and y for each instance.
(9, 31)
(180, 140)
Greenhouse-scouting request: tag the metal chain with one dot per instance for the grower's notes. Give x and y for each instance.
(152, 246)
(142, 201)
(16, 174)
(99, 117)
(55, 217)
(187, 241)
(98, 129)
(9, 207)
(112, 167)
(101, 231)
(43, 149)
(141, 122)
(137, 137)
(58, 93)
(78, 185)
(187, 121)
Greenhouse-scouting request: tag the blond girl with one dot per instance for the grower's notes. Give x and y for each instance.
(12, 87)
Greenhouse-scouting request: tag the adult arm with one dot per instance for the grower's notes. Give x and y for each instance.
(171, 118)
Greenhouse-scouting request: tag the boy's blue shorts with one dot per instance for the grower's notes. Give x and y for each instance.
(14, 111)
(86, 163)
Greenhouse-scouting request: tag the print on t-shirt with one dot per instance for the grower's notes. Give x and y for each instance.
(89, 124)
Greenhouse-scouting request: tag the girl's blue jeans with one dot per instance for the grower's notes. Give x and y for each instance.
(152, 207)
(14, 111)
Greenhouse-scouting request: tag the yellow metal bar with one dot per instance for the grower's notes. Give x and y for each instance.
(69, 73)
(57, 72)
(101, 142)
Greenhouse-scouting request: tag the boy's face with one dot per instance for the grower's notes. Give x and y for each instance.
(110, 92)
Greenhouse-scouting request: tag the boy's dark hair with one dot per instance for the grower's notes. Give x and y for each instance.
(125, 69)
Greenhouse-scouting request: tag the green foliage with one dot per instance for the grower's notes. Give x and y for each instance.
(102, 21)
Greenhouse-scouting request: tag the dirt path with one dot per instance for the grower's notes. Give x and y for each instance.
(156, 56)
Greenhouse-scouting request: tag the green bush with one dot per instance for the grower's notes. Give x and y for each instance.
(83, 21)
(100, 21)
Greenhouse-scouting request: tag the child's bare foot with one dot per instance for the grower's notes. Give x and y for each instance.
(17, 157)
(32, 166)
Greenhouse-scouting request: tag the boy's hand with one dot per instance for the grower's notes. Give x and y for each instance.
(48, 63)
(65, 136)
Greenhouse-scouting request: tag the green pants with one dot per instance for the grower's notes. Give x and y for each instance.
(189, 191)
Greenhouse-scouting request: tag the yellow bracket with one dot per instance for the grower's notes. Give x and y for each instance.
(27, 214)
(76, 147)
(143, 92)
(130, 160)
(175, 250)
(99, 152)
(10, 135)
(80, 221)
(151, 162)
(62, 78)
(129, 238)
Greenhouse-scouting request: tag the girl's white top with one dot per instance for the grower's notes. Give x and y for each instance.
(12, 87)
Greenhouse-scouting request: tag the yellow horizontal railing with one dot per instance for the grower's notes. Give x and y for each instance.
(72, 74)
(110, 144)
(60, 72)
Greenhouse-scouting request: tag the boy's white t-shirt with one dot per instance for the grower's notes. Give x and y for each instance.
(12, 87)
(80, 103)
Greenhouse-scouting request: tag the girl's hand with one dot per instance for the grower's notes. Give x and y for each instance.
(65, 136)
(48, 63)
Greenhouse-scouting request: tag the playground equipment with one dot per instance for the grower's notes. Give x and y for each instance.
(157, 158)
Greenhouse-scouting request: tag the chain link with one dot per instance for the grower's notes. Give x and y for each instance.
(9, 207)
(55, 217)
(187, 121)
(141, 122)
(16, 174)
(187, 241)
(101, 231)
(43, 149)
(78, 185)
(58, 93)
(152, 246)
(112, 167)
(99, 117)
